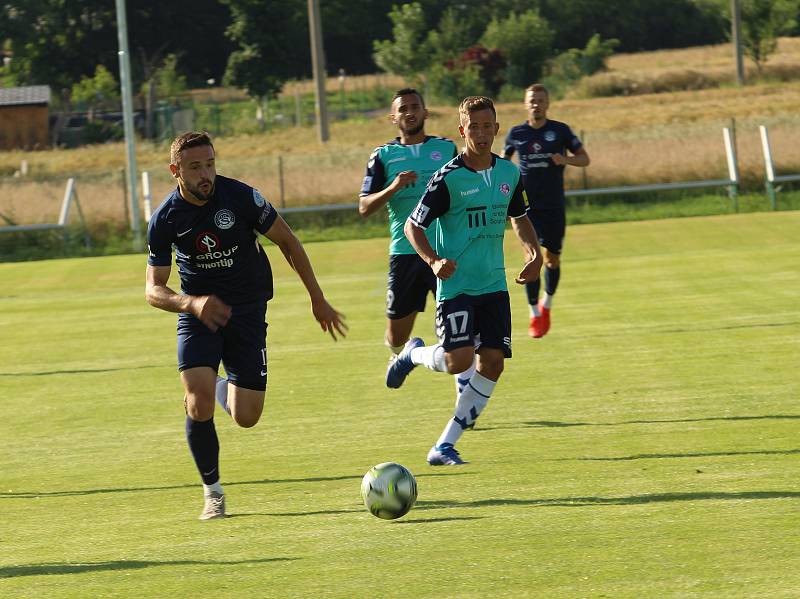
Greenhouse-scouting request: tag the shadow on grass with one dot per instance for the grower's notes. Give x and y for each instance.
(558, 424)
(602, 501)
(431, 520)
(659, 456)
(56, 568)
(77, 371)
(265, 481)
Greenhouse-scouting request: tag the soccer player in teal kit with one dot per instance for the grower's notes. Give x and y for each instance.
(468, 201)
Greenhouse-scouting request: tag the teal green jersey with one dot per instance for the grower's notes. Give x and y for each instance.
(392, 158)
(471, 208)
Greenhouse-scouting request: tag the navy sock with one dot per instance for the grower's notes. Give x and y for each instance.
(551, 276)
(532, 289)
(204, 445)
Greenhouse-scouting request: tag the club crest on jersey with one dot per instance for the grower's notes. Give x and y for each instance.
(258, 198)
(550, 135)
(436, 155)
(206, 242)
(505, 189)
(224, 219)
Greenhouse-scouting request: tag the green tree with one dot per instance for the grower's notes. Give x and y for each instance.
(525, 40)
(98, 91)
(569, 67)
(272, 40)
(408, 54)
(763, 21)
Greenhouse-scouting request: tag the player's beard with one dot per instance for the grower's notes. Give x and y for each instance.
(204, 197)
(413, 131)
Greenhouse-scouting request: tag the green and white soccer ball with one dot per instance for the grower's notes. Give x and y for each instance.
(389, 490)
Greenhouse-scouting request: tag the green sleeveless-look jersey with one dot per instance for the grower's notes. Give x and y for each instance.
(471, 208)
(392, 158)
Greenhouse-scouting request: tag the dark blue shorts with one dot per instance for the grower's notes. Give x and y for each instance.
(410, 282)
(241, 346)
(550, 225)
(475, 320)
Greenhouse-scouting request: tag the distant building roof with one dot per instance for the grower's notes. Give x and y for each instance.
(32, 94)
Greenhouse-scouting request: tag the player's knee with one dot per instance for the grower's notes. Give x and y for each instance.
(199, 407)
(552, 261)
(458, 362)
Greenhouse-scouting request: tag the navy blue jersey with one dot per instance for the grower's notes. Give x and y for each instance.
(216, 249)
(544, 181)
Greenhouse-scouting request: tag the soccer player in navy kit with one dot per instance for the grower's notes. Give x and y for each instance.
(396, 176)
(469, 201)
(226, 280)
(543, 147)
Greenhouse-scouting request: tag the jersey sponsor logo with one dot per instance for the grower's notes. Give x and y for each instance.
(537, 147)
(436, 155)
(258, 198)
(476, 216)
(505, 189)
(216, 259)
(469, 192)
(224, 219)
(420, 212)
(549, 135)
(206, 242)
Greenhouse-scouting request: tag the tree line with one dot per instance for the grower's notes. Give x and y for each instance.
(258, 45)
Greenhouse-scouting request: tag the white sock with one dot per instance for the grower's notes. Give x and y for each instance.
(215, 488)
(547, 301)
(429, 356)
(471, 402)
(395, 349)
(462, 378)
(534, 310)
(221, 394)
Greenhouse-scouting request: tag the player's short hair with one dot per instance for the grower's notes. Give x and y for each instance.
(537, 87)
(407, 91)
(472, 104)
(190, 139)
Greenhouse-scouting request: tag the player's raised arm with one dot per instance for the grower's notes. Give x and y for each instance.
(328, 318)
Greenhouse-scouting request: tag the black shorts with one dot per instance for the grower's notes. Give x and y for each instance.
(241, 346)
(550, 225)
(475, 320)
(410, 281)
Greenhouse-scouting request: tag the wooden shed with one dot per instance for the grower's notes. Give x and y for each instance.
(25, 117)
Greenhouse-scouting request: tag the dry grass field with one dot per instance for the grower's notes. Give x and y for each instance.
(675, 136)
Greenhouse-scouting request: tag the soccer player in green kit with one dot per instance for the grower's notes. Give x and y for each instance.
(471, 196)
(396, 176)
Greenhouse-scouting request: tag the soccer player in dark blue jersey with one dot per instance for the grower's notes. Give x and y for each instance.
(211, 221)
(545, 147)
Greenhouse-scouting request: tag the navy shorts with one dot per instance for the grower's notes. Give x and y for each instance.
(475, 320)
(410, 282)
(550, 225)
(241, 346)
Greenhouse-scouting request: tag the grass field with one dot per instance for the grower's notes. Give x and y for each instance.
(647, 447)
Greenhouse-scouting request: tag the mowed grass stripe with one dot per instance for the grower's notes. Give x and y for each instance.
(645, 448)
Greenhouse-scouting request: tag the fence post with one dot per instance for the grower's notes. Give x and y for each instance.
(583, 170)
(769, 166)
(125, 195)
(146, 197)
(733, 168)
(280, 181)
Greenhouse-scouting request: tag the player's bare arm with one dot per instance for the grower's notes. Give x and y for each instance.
(328, 318)
(441, 267)
(371, 203)
(579, 158)
(209, 309)
(526, 234)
